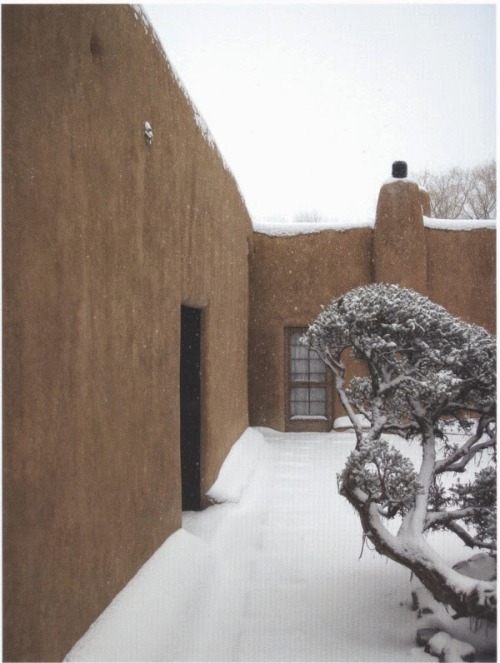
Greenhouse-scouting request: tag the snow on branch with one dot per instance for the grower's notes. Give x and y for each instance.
(424, 369)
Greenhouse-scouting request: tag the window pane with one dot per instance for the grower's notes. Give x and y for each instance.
(300, 366)
(300, 394)
(306, 402)
(317, 394)
(305, 364)
(318, 407)
(304, 352)
(298, 408)
(317, 366)
(317, 377)
(300, 352)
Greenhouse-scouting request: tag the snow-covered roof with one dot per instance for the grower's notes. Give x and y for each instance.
(460, 224)
(291, 228)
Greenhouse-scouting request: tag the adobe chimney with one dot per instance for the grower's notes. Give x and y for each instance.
(399, 249)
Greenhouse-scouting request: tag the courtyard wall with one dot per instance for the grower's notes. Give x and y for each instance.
(461, 268)
(291, 277)
(294, 273)
(104, 238)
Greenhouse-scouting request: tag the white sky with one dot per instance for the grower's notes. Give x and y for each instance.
(311, 103)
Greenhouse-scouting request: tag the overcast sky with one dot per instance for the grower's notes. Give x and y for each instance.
(311, 103)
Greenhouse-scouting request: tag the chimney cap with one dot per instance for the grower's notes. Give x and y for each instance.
(400, 169)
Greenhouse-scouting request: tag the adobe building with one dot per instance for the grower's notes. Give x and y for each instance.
(293, 275)
(147, 324)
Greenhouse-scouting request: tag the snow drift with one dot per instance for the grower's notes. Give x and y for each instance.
(239, 467)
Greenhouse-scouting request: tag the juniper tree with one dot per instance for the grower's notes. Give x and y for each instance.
(424, 367)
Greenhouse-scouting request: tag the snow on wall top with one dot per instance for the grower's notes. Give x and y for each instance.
(460, 224)
(392, 180)
(448, 224)
(291, 228)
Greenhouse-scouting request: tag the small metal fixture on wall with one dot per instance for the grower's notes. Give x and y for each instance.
(148, 133)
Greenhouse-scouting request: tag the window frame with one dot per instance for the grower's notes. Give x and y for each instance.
(311, 423)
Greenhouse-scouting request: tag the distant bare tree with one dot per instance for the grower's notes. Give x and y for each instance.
(309, 217)
(462, 193)
(484, 201)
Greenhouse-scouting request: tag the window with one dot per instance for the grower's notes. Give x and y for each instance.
(308, 383)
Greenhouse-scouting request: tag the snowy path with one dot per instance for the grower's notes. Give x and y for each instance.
(290, 563)
(275, 577)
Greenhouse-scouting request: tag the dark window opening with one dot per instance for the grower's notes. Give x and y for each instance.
(190, 397)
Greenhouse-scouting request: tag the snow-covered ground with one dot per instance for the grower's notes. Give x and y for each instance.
(275, 576)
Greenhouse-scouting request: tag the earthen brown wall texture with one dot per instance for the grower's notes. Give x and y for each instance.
(399, 247)
(103, 238)
(461, 269)
(290, 279)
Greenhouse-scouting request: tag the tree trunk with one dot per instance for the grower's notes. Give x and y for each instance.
(467, 596)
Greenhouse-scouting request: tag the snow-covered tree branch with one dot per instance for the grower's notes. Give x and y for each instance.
(425, 370)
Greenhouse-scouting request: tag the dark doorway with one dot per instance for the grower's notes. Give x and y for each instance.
(190, 385)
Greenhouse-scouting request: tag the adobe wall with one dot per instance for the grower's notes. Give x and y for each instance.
(453, 267)
(290, 278)
(98, 228)
(399, 247)
(462, 273)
